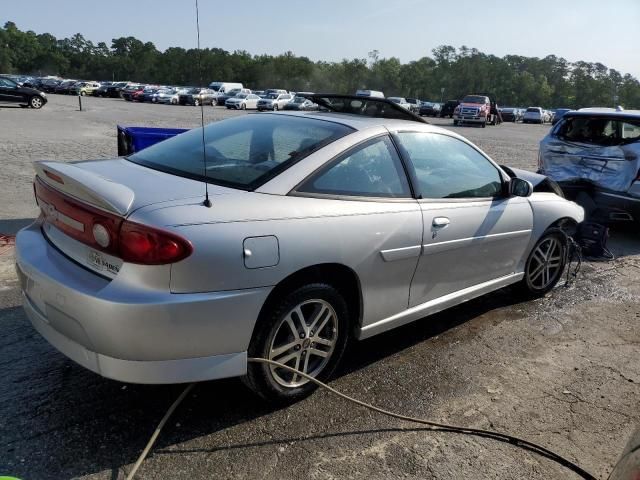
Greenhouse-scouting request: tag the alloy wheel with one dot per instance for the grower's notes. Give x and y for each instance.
(304, 339)
(546, 263)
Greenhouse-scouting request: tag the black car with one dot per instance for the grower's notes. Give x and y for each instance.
(48, 85)
(448, 108)
(64, 87)
(101, 91)
(195, 96)
(558, 114)
(429, 109)
(11, 92)
(114, 90)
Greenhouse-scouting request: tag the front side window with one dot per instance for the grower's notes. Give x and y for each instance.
(446, 167)
(242, 152)
(372, 169)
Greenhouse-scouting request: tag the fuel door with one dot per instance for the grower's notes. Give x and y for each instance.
(261, 252)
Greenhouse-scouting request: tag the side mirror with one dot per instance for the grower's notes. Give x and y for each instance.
(520, 188)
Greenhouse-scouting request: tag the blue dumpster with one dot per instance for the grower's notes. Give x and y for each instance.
(134, 139)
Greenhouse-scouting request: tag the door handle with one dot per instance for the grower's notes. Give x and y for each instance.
(440, 222)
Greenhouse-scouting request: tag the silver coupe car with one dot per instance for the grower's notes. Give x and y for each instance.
(317, 227)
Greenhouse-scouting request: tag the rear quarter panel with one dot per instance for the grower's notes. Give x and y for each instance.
(310, 231)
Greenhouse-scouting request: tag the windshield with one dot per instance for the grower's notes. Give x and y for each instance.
(474, 99)
(215, 88)
(193, 90)
(241, 95)
(243, 152)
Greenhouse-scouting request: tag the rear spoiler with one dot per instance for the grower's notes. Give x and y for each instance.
(360, 105)
(134, 139)
(86, 186)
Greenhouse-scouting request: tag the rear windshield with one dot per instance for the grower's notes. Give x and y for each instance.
(600, 130)
(533, 109)
(243, 152)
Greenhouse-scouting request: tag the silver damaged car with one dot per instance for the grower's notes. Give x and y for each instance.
(320, 227)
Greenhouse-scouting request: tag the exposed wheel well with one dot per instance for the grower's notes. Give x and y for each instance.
(567, 224)
(341, 277)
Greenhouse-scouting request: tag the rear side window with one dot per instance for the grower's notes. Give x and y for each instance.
(599, 130)
(446, 167)
(372, 169)
(242, 152)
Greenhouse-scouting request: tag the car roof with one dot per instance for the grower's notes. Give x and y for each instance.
(609, 112)
(361, 122)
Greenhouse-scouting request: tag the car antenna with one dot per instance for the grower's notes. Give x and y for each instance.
(207, 202)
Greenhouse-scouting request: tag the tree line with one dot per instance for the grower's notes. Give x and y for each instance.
(448, 73)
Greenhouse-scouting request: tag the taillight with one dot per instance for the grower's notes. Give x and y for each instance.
(150, 246)
(110, 233)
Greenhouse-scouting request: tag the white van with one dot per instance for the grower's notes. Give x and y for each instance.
(220, 88)
(369, 93)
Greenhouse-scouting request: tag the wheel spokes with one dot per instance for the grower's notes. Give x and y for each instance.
(548, 260)
(276, 352)
(304, 340)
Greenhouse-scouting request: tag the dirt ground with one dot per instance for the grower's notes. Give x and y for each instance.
(561, 371)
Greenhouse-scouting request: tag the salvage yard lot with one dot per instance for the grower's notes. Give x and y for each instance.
(561, 371)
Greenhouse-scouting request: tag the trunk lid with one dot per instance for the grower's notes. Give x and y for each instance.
(119, 186)
(75, 197)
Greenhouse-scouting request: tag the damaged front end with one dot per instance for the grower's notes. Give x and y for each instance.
(595, 158)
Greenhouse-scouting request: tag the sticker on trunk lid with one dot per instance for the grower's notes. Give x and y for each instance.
(100, 262)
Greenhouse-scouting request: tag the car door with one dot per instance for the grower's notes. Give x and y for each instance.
(474, 232)
(376, 224)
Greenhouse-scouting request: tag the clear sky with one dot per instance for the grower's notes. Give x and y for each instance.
(604, 31)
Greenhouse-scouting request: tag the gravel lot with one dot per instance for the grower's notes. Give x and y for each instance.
(561, 371)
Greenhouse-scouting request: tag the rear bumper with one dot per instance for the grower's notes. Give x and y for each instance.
(150, 372)
(129, 332)
(614, 206)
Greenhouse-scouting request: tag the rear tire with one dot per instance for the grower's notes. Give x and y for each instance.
(545, 264)
(455, 123)
(307, 329)
(275, 107)
(196, 103)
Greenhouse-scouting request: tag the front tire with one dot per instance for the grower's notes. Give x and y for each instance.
(545, 264)
(36, 102)
(196, 103)
(306, 329)
(275, 107)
